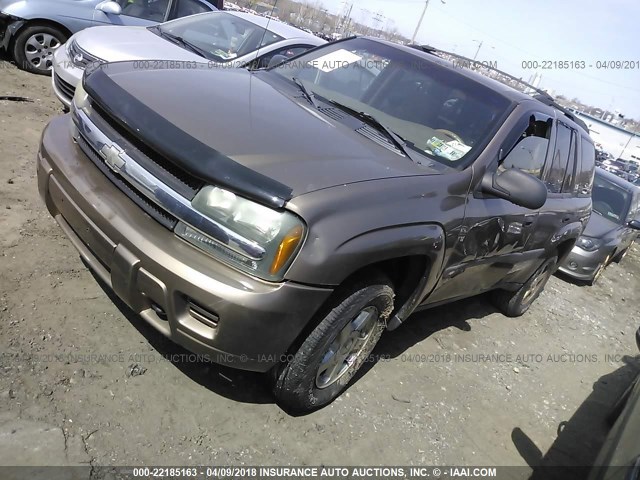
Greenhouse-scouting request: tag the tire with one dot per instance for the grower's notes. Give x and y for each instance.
(597, 274)
(600, 270)
(33, 48)
(620, 256)
(313, 377)
(515, 304)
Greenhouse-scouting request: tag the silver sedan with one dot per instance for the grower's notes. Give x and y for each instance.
(611, 230)
(221, 39)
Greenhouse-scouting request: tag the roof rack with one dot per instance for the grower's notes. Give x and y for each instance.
(505, 78)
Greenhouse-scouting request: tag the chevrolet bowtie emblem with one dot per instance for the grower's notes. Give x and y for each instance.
(113, 157)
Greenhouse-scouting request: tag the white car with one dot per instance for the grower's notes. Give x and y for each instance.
(222, 39)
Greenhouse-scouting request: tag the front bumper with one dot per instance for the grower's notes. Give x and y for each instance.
(582, 265)
(65, 76)
(199, 303)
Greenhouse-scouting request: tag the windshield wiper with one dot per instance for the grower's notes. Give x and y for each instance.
(309, 95)
(399, 142)
(184, 43)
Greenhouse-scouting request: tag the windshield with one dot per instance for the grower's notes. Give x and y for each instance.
(435, 110)
(610, 200)
(220, 36)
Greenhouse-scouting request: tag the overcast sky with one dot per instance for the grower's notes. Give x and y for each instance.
(535, 30)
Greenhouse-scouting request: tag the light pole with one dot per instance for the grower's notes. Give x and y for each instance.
(426, 5)
(415, 34)
(479, 47)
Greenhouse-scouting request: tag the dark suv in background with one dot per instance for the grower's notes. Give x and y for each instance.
(281, 220)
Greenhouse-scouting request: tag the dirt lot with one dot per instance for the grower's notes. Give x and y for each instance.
(68, 346)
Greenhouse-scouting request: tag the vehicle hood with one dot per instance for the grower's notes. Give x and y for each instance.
(225, 119)
(118, 43)
(599, 226)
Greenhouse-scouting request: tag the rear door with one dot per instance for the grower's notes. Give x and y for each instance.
(568, 204)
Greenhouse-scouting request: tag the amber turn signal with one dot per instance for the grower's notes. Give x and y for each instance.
(286, 248)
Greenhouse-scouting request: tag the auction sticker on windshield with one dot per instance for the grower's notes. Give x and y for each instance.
(453, 150)
(334, 60)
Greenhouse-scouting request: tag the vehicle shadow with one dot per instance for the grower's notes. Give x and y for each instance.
(580, 438)
(252, 387)
(573, 281)
(421, 325)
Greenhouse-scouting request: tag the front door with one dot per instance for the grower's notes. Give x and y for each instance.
(494, 244)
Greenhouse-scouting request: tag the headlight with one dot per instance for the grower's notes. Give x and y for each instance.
(589, 244)
(253, 238)
(80, 97)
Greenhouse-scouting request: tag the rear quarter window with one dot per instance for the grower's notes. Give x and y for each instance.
(584, 177)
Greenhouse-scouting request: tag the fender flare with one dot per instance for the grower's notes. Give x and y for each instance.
(426, 240)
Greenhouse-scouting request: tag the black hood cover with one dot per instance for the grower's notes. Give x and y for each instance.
(176, 145)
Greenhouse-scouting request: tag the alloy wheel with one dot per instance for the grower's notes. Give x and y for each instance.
(39, 49)
(347, 347)
(537, 284)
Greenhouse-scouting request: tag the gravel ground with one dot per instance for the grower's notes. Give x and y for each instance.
(75, 360)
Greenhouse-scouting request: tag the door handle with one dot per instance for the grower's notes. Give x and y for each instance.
(566, 219)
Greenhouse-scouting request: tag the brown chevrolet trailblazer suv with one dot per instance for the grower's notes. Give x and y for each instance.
(280, 220)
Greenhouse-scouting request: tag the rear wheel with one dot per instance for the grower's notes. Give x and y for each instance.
(514, 304)
(598, 272)
(34, 46)
(619, 257)
(336, 349)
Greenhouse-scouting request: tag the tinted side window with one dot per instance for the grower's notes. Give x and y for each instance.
(189, 7)
(568, 186)
(634, 211)
(584, 177)
(557, 170)
(153, 10)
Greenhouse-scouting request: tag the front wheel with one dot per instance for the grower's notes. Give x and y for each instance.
(620, 256)
(34, 46)
(515, 304)
(336, 349)
(599, 270)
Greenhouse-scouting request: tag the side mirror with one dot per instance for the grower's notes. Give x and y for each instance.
(635, 224)
(109, 7)
(277, 60)
(517, 187)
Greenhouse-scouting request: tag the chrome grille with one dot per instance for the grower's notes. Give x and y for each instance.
(170, 174)
(64, 87)
(155, 212)
(81, 58)
(151, 193)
